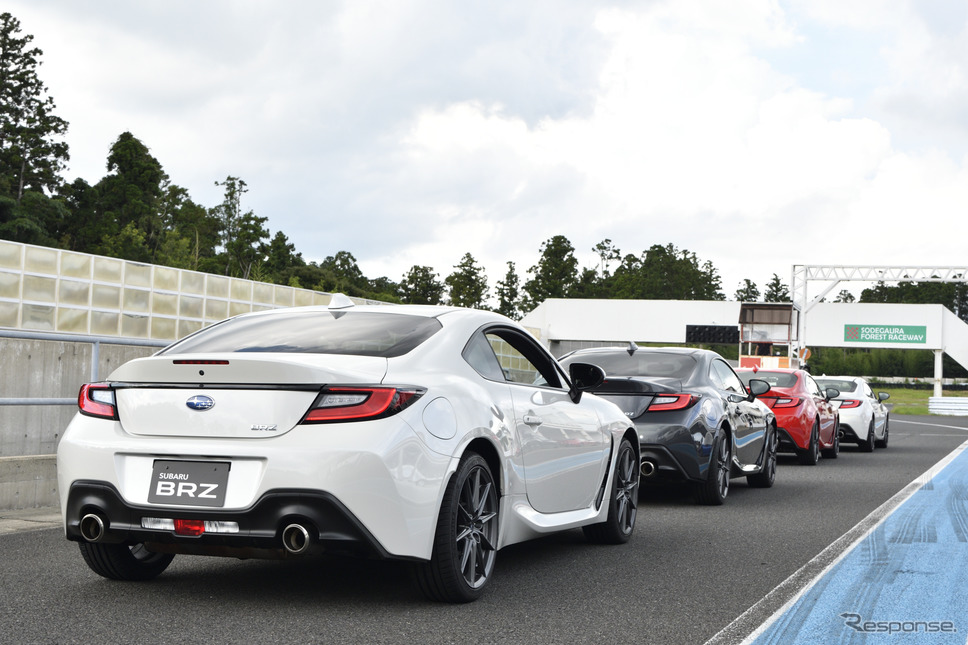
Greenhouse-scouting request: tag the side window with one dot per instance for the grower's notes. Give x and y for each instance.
(480, 356)
(813, 388)
(725, 378)
(521, 359)
(730, 382)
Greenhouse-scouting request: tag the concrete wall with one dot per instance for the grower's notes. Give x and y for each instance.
(29, 434)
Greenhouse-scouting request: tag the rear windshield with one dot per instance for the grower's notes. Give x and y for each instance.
(640, 363)
(836, 383)
(775, 379)
(314, 332)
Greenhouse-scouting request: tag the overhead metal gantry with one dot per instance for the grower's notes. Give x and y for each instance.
(835, 274)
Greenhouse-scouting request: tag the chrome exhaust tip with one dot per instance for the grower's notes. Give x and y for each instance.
(647, 468)
(92, 527)
(296, 539)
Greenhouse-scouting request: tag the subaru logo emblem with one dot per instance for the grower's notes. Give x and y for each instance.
(200, 402)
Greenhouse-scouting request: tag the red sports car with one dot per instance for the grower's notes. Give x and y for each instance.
(807, 421)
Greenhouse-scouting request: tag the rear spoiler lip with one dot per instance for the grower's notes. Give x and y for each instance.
(638, 385)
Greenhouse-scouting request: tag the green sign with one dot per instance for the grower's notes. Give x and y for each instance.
(885, 334)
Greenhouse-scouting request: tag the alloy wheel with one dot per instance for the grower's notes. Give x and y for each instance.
(476, 533)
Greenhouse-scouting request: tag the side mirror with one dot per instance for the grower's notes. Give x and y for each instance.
(831, 393)
(883, 396)
(758, 387)
(584, 376)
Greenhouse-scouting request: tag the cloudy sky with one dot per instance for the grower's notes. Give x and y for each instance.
(757, 134)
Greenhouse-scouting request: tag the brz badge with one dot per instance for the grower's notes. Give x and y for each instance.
(264, 428)
(200, 402)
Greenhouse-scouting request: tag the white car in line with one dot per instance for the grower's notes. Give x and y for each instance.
(431, 434)
(864, 419)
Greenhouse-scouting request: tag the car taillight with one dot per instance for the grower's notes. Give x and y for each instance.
(360, 403)
(97, 401)
(666, 402)
(786, 402)
(849, 403)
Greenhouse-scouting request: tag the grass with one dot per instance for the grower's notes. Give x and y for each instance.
(909, 401)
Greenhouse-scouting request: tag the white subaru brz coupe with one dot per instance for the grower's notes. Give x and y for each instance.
(864, 419)
(435, 435)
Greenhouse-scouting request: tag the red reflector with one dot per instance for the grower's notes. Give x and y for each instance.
(849, 403)
(666, 402)
(189, 527)
(199, 362)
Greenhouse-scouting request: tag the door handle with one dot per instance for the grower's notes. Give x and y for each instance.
(532, 420)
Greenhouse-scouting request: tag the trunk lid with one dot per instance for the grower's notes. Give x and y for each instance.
(633, 395)
(228, 395)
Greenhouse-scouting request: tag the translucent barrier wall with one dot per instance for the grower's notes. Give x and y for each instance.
(44, 289)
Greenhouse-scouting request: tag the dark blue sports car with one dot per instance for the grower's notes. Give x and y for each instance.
(696, 420)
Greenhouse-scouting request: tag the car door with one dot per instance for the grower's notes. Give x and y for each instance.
(746, 418)
(826, 413)
(563, 446)
(878, 410)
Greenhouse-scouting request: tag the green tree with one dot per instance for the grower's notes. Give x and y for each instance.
(342, 274)
(776, 291)
(420, 286)
(32, 154)
(35, 219)
(555, 274)
(607, 253)
(128, 200)
(280, 258)
(191, 232)
(509, 294)
(82, 230)
(845, 296)
(747, 291)
(384, 289)
(241, 233)
(712, 284)
(467, 284)
(665, 272)
(953, 295)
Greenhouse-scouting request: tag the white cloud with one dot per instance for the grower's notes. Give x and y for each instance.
(413, 133)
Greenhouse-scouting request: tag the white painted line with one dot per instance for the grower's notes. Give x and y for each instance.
(933, 425)
(804, 578)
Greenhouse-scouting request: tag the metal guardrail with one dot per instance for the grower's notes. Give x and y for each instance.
(96, 341)
(948, 405)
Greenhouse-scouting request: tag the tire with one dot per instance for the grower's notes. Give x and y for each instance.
(622, 503)
(834, 451)
(714, 490)
(868, 444)
(882, 443)
(811, 455)
(465, 543)
(123, 562)
(766, 476)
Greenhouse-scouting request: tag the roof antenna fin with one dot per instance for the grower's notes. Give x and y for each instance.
(340, 301)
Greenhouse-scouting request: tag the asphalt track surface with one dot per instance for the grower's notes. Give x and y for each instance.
(690, 573)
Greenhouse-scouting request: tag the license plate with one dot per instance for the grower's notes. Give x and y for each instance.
(189, 483)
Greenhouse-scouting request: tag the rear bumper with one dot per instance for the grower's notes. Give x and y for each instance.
(331, 526)
(847, 433)
(791, 441)
(668, 466)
